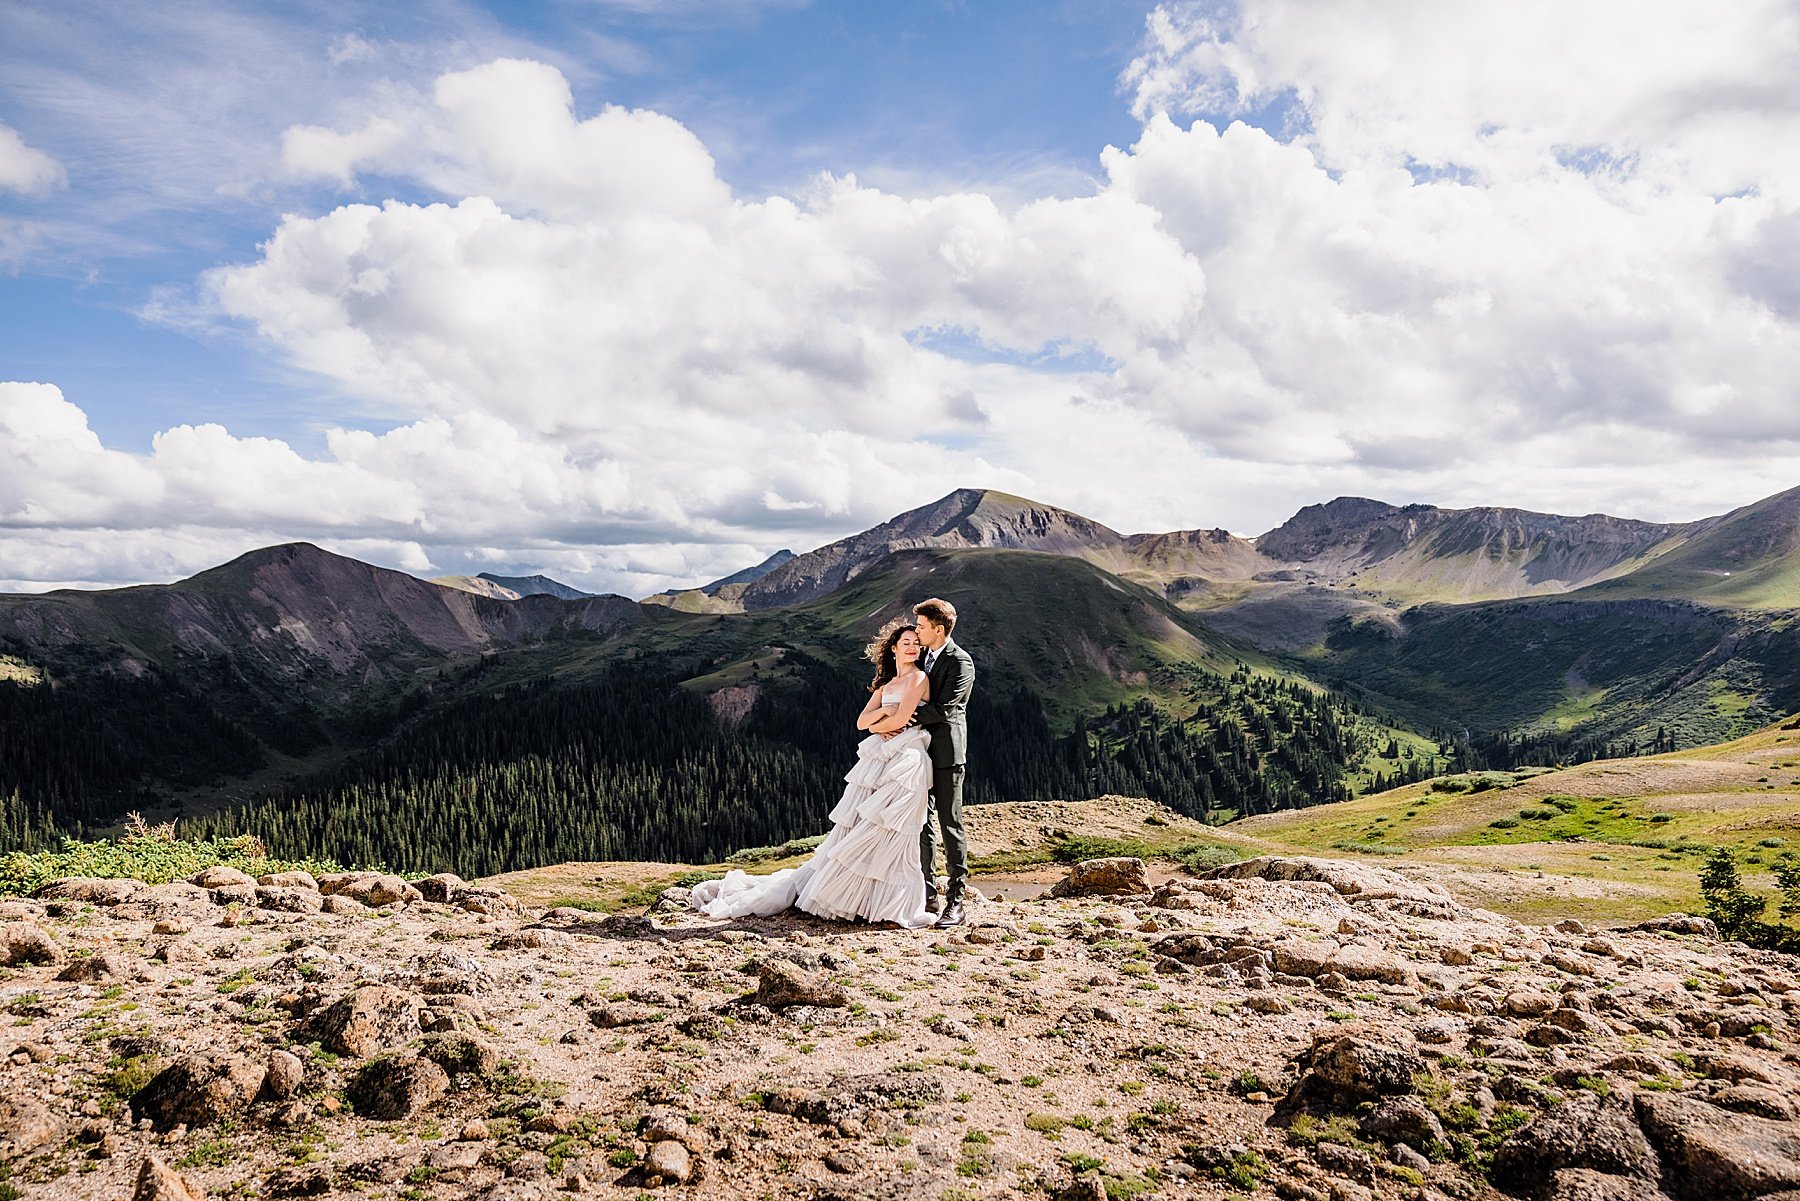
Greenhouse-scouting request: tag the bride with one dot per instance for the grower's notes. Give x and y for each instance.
(868, 865)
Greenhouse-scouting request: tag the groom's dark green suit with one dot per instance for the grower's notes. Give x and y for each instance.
(945, 719)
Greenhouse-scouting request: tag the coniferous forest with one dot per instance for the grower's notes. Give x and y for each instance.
(633, 766)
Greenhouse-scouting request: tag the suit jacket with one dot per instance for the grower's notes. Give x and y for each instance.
(945, 715)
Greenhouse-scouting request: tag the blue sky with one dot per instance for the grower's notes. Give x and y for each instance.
(1018, 95)
(637, 292)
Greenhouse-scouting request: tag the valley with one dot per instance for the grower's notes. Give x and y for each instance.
(1357, 647)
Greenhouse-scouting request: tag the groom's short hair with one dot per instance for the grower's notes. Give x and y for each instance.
(938, 612)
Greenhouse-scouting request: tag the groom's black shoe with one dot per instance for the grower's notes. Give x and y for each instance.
(953, 913)
(932, 904)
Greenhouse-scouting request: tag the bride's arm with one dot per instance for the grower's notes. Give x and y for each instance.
(871, 712)
(897, 720)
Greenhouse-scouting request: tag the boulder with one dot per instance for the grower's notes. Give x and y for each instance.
(854, 1098)
(1405, 1120)
(25, 1125)
(157, 1181)
(22, 943)
(395, 1087)
(198, 1090)
(220, 876)
(460, 1055)
(780, 984)
(369, 1020)
(1357, 1064)
(1586, 1131)
(287, 899)
(1116, 876)
(1356, 881)
(284, 1075)
(668, 1162)
(289, 880)
(442, 888)
(377, 890)
(91, 891)
(1680, 923)
(627, 1013)
(533, 939)
(97, 968)
(331, 883)
(1718, 1155)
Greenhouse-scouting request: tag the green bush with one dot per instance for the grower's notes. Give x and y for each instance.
(152, 856)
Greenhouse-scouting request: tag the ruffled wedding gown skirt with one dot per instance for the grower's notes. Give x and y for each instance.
(868, 865)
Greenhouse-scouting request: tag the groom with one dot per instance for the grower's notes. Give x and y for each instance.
(944, 717)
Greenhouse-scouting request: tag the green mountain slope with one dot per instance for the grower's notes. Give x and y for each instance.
(1749, 558)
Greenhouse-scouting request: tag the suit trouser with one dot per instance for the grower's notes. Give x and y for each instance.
(946, 797)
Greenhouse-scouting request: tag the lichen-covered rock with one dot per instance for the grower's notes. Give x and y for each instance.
(199, 1090)
(25, 1125)
(376, 891)
(1716, 1155)
(1585, 1184)
(624, 1013)
(1405, 1120)
(395, 1087)
(220, 876)
(1116, 876)
(1356, 881)
(91, 891)
(157, 1181)
(284, 1075)
(22, 944)
(98, 968)
(459, 1054)
(1357, 1064)
(668, 1162)
(780, 984)
(855, 1098)
(1598, 1133)
(371, 1019)
(1680, 923)
(442, 888)
(288, 899)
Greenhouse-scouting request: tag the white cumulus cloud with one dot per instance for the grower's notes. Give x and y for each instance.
(1527, 255)
(26, 169)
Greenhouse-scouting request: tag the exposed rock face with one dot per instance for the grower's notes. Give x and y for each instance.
(1586, 1131)
(1303, 1030)
(1104, 877)
(1715, 1154)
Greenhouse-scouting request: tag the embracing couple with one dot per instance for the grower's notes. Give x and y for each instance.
(877, 862)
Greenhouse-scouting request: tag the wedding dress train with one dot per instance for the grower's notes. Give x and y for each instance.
(868, 865)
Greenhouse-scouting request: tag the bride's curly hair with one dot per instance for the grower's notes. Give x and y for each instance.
(880, 651)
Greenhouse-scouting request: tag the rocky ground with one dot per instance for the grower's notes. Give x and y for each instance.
(1310, 1029)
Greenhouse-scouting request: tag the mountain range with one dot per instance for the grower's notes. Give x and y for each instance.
(1484, 632)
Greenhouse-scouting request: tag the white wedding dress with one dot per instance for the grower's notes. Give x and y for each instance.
(868, 865)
